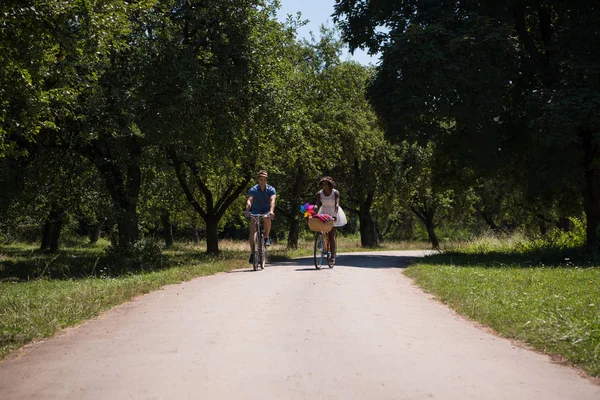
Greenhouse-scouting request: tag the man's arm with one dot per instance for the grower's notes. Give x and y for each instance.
(248, 205)
(272, 210)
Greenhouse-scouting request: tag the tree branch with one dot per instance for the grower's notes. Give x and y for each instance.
(183, 183)
(526, 39)
(203, 188)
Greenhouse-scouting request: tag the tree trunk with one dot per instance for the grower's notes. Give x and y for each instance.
(543, 227)
(196, 235)
(46, 233)
(52, 229)
(168, 229)
(488, 220)
(296, 196)
(127, 224)
(565, 224)
(123, 183)
(379, 233)
(212, 238)
(591, 204)
(368, 230)
(214, 211)
(96, 231)
(426, 214)
(55, 236)
(294, 233)
(431, 233)
(388, 227)
(591, 191)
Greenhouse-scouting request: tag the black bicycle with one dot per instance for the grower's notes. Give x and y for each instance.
(260, 250)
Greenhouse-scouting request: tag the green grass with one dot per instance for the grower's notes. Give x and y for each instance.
(549, 303)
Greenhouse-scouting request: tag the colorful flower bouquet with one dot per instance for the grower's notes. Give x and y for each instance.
(309, 211)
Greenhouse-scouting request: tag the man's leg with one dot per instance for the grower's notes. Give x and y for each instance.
(267, 222)
(251, 237)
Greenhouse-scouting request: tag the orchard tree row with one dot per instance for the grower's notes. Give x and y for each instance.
(152, 113)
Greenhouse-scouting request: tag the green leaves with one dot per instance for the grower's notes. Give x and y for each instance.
(500, 88)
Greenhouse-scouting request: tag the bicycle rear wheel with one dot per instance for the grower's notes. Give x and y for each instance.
(329, 257)
(319, 249)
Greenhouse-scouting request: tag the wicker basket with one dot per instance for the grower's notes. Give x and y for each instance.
(316, 225)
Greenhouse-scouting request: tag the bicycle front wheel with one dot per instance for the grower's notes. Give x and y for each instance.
(319, 249)
(263, 254)
(257, 251)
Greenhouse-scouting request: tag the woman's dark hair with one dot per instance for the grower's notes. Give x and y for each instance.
(328, 180)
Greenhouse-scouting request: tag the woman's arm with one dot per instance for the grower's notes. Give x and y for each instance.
(337, 203)
(318, 199)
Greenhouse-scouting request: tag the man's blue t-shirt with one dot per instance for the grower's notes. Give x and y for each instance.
(262, 200)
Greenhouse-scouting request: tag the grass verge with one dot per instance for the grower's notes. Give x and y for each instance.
(553, 308)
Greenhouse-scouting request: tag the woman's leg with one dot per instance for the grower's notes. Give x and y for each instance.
(332, 243)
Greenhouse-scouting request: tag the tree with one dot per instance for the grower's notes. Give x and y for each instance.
(425, 196)
(213, 96)
(311, 148)
(515, 81)
(51, 188)
(365, 157)
(83, 57)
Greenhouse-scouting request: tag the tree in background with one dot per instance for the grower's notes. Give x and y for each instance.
(365, 157)
(309, 147)
(516, 82)
(214, 96)
(70, 89)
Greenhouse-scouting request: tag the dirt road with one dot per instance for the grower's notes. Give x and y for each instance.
(358, 331)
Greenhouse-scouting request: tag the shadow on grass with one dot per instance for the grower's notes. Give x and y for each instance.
(27, 263)
(580, 257)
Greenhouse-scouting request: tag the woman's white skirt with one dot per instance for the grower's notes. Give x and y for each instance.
(341, 216)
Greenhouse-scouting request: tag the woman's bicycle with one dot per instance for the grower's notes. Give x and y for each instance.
(260, 250)
(321, 249)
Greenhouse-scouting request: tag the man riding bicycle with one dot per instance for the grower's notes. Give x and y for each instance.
(261, 200)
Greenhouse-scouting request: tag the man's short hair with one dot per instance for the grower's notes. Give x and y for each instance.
(262, 172)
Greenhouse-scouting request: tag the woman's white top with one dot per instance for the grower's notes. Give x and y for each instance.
(328, 207)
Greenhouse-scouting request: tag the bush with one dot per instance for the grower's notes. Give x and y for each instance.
(143, 255)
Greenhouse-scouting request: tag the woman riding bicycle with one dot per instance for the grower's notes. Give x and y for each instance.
(329, 198)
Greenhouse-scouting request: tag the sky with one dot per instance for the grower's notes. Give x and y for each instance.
(318, 12)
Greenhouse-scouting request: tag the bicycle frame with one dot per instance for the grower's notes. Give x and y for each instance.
(260, 250)
(322, 250)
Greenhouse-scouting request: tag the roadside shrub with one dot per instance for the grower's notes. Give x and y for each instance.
(143, 255)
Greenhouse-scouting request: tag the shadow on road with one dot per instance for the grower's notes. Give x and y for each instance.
(355, 261)
(236, 271)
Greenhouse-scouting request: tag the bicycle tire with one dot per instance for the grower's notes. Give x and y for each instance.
(319, 249)
(256, 251)
(329, 259)
(263, 256)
